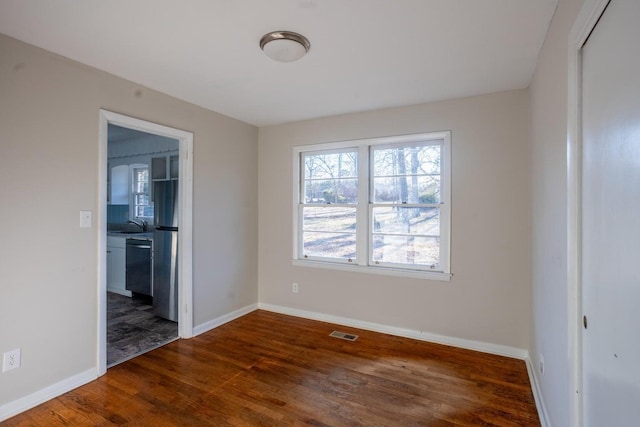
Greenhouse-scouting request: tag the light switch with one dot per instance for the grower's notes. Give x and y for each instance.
(85, 219)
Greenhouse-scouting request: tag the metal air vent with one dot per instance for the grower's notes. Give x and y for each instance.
(343, 336)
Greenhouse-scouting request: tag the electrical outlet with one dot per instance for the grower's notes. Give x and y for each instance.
(294, 288)
(542, 364)
(11, 360)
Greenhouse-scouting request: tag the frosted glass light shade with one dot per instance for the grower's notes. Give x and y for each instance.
(284, 46)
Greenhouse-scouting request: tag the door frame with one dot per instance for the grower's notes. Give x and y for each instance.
(584, 24)
(185, 223)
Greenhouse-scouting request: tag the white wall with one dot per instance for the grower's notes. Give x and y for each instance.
(488, 297)
(48, 173)
(549, 330)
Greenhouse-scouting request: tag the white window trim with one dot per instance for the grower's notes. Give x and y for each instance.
(362, 220)
(299, 207)
(132, 193)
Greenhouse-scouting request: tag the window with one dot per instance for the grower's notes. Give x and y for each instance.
(378, 205)
(142, 207)
(330, 198)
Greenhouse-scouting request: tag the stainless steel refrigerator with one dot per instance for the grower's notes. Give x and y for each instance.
(165, 250)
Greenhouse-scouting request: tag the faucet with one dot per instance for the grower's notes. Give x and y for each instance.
(139, 222)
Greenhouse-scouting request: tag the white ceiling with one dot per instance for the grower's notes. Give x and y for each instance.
(365, 54)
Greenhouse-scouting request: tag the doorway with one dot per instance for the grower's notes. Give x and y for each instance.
(139, 316)
(127, 217)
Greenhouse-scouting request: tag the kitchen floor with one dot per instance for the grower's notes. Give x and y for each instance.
(132, 328)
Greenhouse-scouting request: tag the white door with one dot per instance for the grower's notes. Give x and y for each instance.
(611, 218)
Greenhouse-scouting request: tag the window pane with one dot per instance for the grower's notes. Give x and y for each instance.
(141, 187)
(401, 220)
(331, 245)
(144, 211)
(331, 191)
(407, 189)
(329, 232)
(409, 250)
(142, 199)
(329, 219)
(416, 160)
(408, 174)
(331, 165)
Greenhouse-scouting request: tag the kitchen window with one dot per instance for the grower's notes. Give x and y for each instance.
(140, 194)
(378, 205)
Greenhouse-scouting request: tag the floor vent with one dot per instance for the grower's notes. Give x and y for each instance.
(343, 336)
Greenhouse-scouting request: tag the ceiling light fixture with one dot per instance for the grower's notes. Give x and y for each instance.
(284, 46)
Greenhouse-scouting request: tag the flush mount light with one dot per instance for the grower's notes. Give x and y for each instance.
(284, 46)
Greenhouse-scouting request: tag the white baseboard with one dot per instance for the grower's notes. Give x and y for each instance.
(537, 394)
(10, 409)
(501, 350)
(212, 324)
(13, 408)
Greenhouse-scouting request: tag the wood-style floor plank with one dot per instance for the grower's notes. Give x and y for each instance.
(267, 369)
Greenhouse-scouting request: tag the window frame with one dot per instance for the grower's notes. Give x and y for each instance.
(133, 193)
(372, 204)
(301, 206)
(364, 229)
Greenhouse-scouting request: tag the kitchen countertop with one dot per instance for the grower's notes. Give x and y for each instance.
(148, 235)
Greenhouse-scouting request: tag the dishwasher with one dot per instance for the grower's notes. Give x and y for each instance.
(139, 266)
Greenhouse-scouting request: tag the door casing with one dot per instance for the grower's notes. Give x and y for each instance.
(185, 238)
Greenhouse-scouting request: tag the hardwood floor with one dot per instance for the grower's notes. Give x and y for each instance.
(267, 369)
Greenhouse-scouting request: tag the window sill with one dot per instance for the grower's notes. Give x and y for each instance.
(426, 275)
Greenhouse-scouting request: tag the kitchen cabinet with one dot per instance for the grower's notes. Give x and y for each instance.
(164, 168)
(118, 191)
(174, 166)
(116, 258)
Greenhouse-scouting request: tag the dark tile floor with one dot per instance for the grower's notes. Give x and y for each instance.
(132, 329)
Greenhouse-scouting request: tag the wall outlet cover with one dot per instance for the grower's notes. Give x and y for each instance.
(11, 360)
